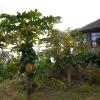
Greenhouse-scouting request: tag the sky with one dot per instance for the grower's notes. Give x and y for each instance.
(74, 13)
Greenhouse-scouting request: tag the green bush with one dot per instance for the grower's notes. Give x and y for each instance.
(95, 76)
(56, 83)
(40, 81)
(84, 58)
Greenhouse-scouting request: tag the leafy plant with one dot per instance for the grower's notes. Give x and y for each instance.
(94, 76)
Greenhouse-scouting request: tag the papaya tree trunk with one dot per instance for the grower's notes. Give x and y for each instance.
(28, 88)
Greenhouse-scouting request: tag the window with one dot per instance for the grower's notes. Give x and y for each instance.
(98, 41)
(95, 39)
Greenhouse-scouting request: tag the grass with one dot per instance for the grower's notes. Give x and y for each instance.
(12, 90)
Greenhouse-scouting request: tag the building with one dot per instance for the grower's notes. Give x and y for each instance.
(93, 33)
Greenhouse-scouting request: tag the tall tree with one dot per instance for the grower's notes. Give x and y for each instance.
(59, 44)
(22, 30)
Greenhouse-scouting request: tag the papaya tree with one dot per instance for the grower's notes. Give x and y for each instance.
(22, 31)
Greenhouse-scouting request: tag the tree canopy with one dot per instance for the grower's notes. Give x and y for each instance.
(25, 27)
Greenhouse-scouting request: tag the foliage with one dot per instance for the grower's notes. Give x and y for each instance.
(8, 67)
(40, 81)
(95, 76)
(80, 58)
(5, 56)
(26, 26)
(58, 44)
(57, 83)
(28, 56)
(81, 44)
(8, 71)
(43, 67)
(85, 58)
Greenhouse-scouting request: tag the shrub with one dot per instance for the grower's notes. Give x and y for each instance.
(84, 58)
(81, 74)
(95, 76)
(40, 81)
(56, 83)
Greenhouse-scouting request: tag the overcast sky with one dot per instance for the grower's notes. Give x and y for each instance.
(74, 13)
